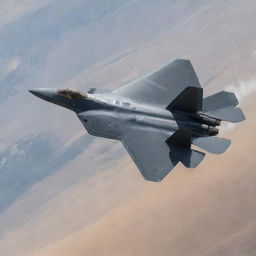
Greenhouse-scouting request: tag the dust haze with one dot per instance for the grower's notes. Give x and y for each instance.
(91, 199)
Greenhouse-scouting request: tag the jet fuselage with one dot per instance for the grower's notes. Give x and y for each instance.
(113, 116)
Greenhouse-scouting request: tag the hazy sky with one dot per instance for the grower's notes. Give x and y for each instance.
(63, 192)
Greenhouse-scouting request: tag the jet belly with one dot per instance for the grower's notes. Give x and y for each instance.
(104, 123)
(116, 123)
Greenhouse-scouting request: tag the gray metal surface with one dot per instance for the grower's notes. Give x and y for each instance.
(229, 114)
(150, 153)
(219, 100)
(211, 144)
(189, 100)
(163, 85)
(157, 117)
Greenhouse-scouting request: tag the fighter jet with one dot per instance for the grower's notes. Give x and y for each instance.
(157, 117)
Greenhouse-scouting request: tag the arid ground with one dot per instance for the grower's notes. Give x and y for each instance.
(64, 193)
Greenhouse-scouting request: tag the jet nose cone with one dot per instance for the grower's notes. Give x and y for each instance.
(36, 92)
(44, 93)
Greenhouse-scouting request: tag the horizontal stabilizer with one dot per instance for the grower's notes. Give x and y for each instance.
(229, 114)
(218, 100)
(189, 157)
(211, 144)
(189, 100)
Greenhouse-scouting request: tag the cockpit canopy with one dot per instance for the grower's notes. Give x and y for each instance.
(72, 94)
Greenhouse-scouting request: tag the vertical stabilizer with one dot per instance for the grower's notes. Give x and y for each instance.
(189, 100)
(180, 149)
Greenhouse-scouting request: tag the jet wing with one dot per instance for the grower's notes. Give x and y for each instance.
(150, 152)
(163, 85)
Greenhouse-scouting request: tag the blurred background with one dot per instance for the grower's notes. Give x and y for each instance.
(63, 192)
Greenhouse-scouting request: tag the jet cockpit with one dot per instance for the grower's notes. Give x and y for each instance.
(72, 93)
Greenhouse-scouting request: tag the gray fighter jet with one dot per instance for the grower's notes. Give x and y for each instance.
(157, 117)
